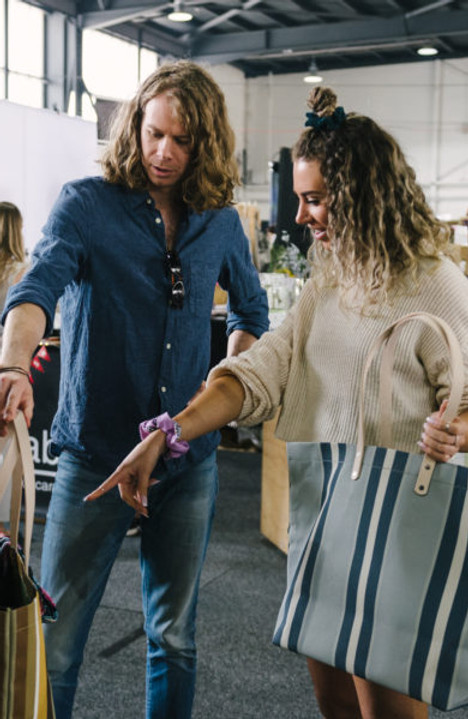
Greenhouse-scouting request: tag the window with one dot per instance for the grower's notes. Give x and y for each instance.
(2, 49)
(148, 63)
(117, 77)
(22, 61)
(25, 53)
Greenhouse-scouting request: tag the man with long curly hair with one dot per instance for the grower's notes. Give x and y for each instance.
(135, 256)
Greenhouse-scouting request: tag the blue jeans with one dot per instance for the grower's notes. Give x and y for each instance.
(81, 542)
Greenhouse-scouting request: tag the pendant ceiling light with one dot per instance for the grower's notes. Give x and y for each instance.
(313, 74)
(179, 13)
(427, 51)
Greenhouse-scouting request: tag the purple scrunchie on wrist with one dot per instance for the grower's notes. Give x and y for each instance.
(175, 447)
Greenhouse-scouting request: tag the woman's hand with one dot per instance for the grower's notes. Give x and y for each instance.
(214, 407)
(133, 475)
(441, 440)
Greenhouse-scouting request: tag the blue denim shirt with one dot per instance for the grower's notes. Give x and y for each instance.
(126, 355)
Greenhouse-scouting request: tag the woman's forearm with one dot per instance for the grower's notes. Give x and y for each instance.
(216, 406)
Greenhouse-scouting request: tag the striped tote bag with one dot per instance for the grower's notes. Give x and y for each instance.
(24, 686)
(378, 558)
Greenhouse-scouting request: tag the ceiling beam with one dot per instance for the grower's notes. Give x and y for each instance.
(90, 5)
(350, 7)
(151, 38)
(395, 5)
(102, 19)
(229, 47)
(447, 46)
(123, 11)
(428, 8)
(305, 5)
(224, 17)
(67, 7)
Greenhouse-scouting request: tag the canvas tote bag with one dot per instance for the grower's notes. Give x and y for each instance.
(24, 687)
(378, 561)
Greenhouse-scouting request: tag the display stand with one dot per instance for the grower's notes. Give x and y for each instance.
(274, 516)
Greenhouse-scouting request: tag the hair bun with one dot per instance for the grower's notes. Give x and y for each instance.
(322, 101)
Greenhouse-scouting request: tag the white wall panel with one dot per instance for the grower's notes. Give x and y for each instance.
(39, 151)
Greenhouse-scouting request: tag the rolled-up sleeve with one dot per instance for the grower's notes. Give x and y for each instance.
(56, 258)
(247, 305)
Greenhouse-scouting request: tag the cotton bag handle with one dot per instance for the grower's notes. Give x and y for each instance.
(388, 340)
(18, 465)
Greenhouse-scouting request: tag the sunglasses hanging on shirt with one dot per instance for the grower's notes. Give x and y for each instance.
(176, 298)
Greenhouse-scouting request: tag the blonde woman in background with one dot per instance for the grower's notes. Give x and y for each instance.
(12, 267)
(12, 253)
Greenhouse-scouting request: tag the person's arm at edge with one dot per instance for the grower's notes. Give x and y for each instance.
(25, 325)
(219, 404)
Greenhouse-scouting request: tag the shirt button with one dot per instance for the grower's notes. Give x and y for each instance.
(168, 346)
(148, 201)
(163, 389)
(158, 220)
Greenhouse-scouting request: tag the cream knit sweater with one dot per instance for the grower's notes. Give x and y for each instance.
(312, 364)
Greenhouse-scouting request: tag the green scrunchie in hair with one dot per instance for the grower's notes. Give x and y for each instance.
(329, 122)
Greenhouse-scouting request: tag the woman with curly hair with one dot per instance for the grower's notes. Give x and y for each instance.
(135, 256)
(378, 253)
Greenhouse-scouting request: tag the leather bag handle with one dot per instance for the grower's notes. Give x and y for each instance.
(18, 465)
(387, 340)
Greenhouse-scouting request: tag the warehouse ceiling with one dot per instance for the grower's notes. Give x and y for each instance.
(283, 36)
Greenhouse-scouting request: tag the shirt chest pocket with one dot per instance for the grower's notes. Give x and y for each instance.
(201, 286)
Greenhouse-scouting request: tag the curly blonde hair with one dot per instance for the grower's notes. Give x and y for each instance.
(200, 106)
(11, 237)
(379, 222)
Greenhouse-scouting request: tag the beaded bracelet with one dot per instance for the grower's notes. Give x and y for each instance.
(176, 447)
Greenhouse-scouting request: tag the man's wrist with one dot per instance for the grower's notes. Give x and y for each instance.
(17, 369)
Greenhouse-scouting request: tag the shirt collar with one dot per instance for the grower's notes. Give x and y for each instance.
(139, 198)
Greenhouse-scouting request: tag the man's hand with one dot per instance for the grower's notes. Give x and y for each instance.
(239, 341)
(15, 394)
(24, 327)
